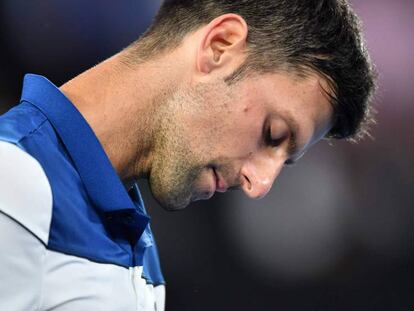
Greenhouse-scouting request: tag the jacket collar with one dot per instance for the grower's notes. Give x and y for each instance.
(100, 179)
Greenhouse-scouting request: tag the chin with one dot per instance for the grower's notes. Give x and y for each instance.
(171, 203)
(173, 197)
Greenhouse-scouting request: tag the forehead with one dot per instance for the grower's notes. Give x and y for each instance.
(291, 87)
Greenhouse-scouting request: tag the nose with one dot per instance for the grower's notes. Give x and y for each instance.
(258, 175)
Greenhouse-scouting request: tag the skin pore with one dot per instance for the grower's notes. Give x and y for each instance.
(174, 120)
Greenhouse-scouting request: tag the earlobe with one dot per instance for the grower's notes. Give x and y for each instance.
(223, 43)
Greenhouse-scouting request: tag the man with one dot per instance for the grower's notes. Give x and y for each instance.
(216, 95)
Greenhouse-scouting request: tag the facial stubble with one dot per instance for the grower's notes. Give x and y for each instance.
(176, 166)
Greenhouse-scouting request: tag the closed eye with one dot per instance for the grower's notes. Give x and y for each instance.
(270, 141)
(289, 137)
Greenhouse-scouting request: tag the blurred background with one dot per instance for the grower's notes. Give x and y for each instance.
(337, 230)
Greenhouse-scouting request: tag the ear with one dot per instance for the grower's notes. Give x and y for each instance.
(222, 45)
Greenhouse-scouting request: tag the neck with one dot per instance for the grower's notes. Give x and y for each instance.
(118, 101)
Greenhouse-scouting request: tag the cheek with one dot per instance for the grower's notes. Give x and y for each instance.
(242, 137)
(233, 130)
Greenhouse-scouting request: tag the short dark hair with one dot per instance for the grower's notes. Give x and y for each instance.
(322, 36)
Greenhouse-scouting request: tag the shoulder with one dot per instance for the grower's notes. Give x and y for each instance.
(25, 193)
(20, 121)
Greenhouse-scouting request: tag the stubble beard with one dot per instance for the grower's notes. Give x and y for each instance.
(175, 166)
(172, 178)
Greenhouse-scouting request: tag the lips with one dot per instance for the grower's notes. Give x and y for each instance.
(220, 183)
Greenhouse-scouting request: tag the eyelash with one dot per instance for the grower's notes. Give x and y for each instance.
(270, 141)
(275, 143)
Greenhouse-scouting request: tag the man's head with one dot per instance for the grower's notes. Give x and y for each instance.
(265, 79)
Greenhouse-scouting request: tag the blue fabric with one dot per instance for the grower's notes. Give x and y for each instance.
(93, 215)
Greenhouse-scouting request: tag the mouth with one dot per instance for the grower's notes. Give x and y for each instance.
(220, 183)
